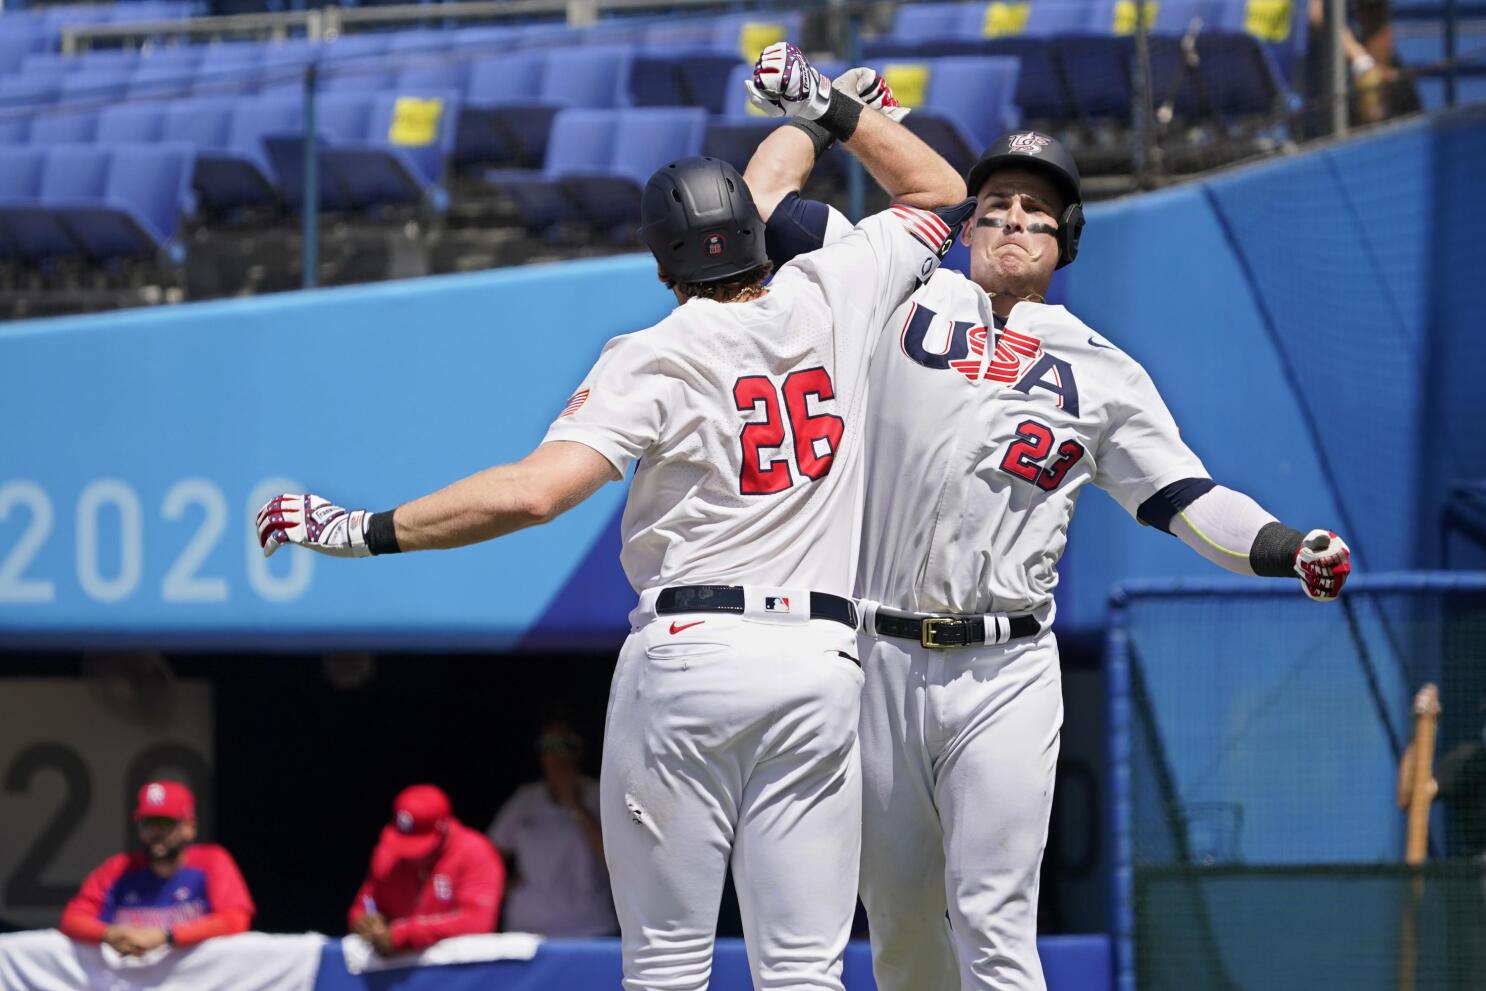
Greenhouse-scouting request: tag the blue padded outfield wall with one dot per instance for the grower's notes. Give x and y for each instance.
(136, 445)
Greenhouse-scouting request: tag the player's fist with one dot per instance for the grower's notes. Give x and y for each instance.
(865, 86)
(785, 84)
(1323, 563)
(313, 522)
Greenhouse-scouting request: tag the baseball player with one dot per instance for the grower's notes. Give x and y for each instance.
(731, 731)
(991, 411)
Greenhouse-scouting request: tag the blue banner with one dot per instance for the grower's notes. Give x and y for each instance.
(138, 446)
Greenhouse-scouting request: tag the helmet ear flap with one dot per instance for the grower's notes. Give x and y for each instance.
(1070, 229)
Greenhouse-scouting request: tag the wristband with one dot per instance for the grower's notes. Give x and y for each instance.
(170, 937)
(1274, 550)
(381, 535)
(819, 136)
(841, 116)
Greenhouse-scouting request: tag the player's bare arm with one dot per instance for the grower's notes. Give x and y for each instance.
(910, 171)
(488, 504)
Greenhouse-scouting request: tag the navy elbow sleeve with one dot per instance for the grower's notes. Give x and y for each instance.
(1160, 509)
(796, 227)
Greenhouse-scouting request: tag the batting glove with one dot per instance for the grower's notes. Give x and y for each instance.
(1323, 563)
(865, 86)
(785, 84)
(313, 522)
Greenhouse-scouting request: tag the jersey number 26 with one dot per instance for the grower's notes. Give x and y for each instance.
(769, 474)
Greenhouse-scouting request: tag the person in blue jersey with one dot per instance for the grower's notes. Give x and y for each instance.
(170, 891)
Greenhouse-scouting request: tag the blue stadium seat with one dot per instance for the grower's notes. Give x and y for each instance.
(241, 175)
(681, 79)
(679, 33)
(355, 76)
(646, 138)
(144, 197)
(160, 82)
(72, 175)
(495, 38)
(340, 118)
(970, 100)
(420, 42)
(733, 135)
(20, 186)
(130, 122)
(745, 35)
(26, 89)
(596, 76)
(63, 124)
(15, 126)
(926, 21)
(401, 158)
(357, 46)
(496, 82)
(582, 140)
(229, 68)
(1043, 93)
(13, 48)
(432, 72)
(202, 122)
(281, 70)
(95, 85)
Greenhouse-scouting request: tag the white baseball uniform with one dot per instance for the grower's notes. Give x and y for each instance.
(732, 738)
(979, 443)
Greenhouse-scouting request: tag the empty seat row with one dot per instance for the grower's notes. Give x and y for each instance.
(93, 202)
(1209, 58)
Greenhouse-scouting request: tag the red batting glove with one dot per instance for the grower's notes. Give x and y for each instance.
(1323, 563)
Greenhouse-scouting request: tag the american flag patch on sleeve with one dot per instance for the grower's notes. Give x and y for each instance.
(926, 228)
(576, 403)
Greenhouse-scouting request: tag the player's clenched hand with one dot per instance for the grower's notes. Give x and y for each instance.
(785, 84)
(313, 522)
(865, 86)
(1323, 563)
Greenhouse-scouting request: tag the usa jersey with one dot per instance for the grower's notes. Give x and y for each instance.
(124, 891)
(981, 437)
(746, 418)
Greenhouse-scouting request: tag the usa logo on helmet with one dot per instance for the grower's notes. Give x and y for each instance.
(715, 244)
(1028, 144)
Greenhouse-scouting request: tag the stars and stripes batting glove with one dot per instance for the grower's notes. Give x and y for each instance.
(1323, 563)
(314, 522)
(785, 84)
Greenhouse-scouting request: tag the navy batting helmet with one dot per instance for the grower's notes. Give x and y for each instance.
(1045, 154)
(698, 219)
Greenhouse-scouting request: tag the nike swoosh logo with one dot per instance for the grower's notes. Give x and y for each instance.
(1109, 347)
(677, 628)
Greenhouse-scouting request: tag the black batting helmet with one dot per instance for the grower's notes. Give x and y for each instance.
(698, 219)
(1045, 154)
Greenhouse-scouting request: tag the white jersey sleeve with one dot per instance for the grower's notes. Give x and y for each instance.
(619, 409)
(879, 263)
(1142, 450)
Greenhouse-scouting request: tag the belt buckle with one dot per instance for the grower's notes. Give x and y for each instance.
(928, 628)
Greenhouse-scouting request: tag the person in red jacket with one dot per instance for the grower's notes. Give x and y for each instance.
(431, 877)
(172, 890)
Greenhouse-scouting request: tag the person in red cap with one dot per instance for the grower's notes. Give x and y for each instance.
(172, 890)
(431, 877)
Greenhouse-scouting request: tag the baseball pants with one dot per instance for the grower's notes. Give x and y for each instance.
(733, 741)
(959, 752)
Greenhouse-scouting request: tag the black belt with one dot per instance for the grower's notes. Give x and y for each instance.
(955, 631)
(729, 598)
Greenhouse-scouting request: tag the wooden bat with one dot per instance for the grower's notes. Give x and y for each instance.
(1416, 791)
(1417, 786)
